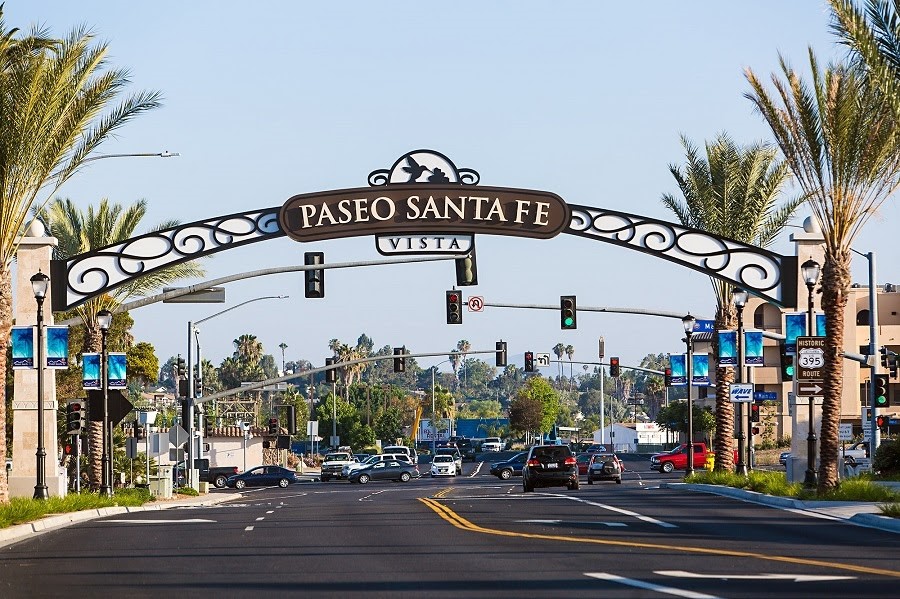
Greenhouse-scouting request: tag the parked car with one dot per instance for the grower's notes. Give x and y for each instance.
(411, 454)
(507, 469)
(333, 464)
(217, 475)
(466, 448)
(782, 458)
(677, 459)
(604, 466)
(392, 470)
(451, 451)
(263, 476)
(550, 466)
(374, 459)
(492, 444)
(856, 452)
(583, 460)
(443, 465)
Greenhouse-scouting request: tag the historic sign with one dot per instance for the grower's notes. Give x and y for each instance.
(810, 358)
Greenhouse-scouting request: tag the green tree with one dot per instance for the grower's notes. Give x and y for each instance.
(389, 424)
(54, 100)
(525, 414)
(142, 363)
(732, 192)
(538, 388)
(674, 418)
(840, 139)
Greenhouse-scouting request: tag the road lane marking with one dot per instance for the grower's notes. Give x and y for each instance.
(459, 522)
(186, 521)
(249, 528)
(260, 518)
(367, 497)
(272, 511)
(571, 522)
(794, 577)
(649, 586)
(617, 510)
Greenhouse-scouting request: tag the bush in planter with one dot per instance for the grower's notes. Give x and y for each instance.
(887, 458)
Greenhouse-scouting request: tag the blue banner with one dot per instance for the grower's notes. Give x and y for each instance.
(820, 325)
(90, 371)
(677, 364)
(753, 348)
(116, 370)
(24, 343)
(700, 370)
(57, 346)
(728, 348)
(794, 326)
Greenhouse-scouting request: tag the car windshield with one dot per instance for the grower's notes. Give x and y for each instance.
(337, 457)
(443, 458)
(372, 459)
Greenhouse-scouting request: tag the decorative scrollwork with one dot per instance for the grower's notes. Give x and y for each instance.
(101, 271)
(423, 166)
(750, 267)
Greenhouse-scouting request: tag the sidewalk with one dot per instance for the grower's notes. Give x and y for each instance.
(854, 512)
(18, 532)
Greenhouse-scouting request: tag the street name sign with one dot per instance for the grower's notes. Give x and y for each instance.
(810, 358)
(741, 392)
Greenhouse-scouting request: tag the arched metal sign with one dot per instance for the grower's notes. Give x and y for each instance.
(426, 198)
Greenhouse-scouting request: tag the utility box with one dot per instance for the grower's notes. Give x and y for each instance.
(161, 485)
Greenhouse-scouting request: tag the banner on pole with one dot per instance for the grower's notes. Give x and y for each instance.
(24, 343)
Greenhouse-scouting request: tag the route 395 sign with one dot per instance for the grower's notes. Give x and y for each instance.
(810, 358)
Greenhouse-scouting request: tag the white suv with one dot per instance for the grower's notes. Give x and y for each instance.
(413, 458)
(492, 444)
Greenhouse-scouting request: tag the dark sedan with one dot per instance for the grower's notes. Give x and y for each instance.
(509, 468)
(263, 476)
(391, 470)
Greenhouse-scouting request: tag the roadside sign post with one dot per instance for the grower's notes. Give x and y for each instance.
(810, 365)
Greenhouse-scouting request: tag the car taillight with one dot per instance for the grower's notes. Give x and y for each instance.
(235, 470)
(534, 462)
(571, 461)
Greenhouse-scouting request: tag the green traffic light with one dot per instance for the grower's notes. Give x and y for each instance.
(789, 370)
(880, 401)
(569, 320)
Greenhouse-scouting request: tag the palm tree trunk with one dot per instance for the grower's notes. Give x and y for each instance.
(5, 326)
(95, 446)
(724, 442)
(835, 284)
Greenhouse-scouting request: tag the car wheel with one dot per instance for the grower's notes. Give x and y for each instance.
(526, 488)
(283, 483)
(363, 479)
(239, 484)
(573, 486)
(404, 477)
(326, 478)
(506, 474)
(667, 467)
(220, 481)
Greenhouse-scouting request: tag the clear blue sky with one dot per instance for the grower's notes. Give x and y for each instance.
(586, 99)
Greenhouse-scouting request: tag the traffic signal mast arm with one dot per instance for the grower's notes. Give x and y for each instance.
(650, 370)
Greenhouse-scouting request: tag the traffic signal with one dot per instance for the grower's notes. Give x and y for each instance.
(755, 430)
(138, 431)
(880, 421)
(466, 270)
(787, 365)
(884, 356)
(399, 363)
(315, 279)
(273, 426)
(454, 307)
(198, 385)
(882, 391)
(602, 349)
(208, 427)
(754, 412)
(71, 449)
(74, 417)
(567, 314)
(331, 373)
(291, 421)
(529, 361)
(501, 353)
(614, 367)
(667, 376)
(892, 366)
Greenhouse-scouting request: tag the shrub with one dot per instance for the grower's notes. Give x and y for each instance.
(187, 491)
(887, 458)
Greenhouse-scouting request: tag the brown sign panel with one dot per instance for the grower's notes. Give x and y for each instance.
(810, 358)
(424, 208)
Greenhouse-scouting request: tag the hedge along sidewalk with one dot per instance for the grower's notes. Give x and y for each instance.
(18, 532)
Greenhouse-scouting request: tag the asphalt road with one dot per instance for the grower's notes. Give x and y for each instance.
(468, 536)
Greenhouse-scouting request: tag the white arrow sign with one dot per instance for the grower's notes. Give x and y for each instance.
(542, 359)
(741, 392)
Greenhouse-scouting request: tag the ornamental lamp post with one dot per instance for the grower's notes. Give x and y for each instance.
(689, 321)
(104, 320)
(739, 298)
(39, 284)
(810, 271)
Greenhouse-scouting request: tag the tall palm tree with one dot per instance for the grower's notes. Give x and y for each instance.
(558, 350)
(78, 232)
(53, 98)
(463, 346)
(731, 192)
(570, 351)
(840, 139)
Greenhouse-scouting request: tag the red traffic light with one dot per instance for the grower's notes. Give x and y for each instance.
(453, 297)
(69, 449)
(74, 407)
(880, 420)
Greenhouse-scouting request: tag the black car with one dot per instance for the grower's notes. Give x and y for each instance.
(550, 466)
(263, 476)
(507, 469)
(466, 448)
(390, 470)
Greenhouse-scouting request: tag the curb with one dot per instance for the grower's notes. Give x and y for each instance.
(861, 518)
(18, 532)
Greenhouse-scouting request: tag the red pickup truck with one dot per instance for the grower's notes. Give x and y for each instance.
(677, 458)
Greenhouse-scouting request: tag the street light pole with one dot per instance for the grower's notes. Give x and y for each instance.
(688, 321)
(810, 272)
(739, 297)
(433, 415)
(104, 320)
(39, 284)
(283, 347)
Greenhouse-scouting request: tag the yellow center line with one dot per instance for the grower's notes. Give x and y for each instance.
(459, 522)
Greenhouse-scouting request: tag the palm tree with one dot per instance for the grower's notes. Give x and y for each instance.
(463, 346)
(839, 138)
(558, 350)
(731, 192)
(54, 93)
(570, 351)
(78, 232)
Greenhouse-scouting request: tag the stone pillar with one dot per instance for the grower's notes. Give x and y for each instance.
(35, 251)
(809, 244)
